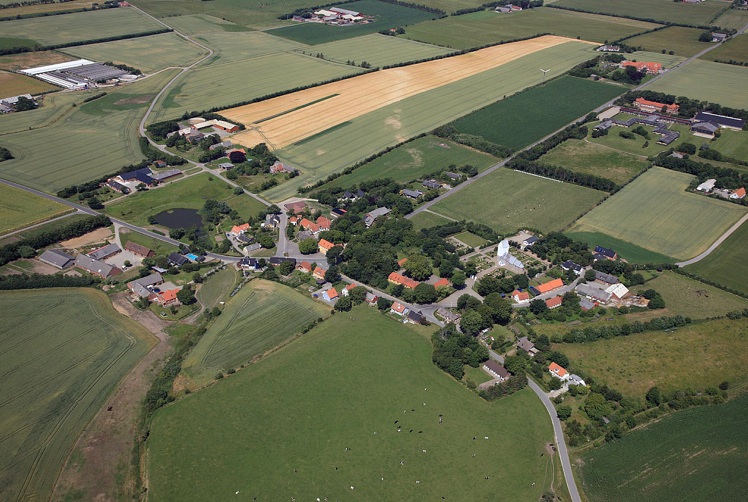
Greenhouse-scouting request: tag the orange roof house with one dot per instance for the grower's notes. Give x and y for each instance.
(239, 229)
(402, 261)
(442, 283)
(558, 371)
(396, 278)
(164, 298)
(319, 273)
(325, 246)
(549, 286)
(738, 194)
(654, 106)
(324, 223)
(293, 220)
(398, 308)
(330, 294)
(309, 225)
(644, 66)
(554, 302)
(348, 288)
(520, 296)
(304, 266)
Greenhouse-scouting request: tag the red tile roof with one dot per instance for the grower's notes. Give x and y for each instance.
(396, 278)
(557, 370)
(643, 65)
(654, 104)
(550, 286)
(520, 296)
(305, 266)
(442, 283)
(398, 307)
(402, 261)
(324, 223)
(332, 293)
(326, 245)
(739, 193)
(554, 302)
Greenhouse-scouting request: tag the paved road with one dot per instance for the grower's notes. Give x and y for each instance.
(716, 244)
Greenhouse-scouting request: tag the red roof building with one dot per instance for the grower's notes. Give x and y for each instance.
(442, 283)
(402, 261)
(398, 308)
(396, 278)
(304, 266)
(325, 246)
(324, 223)
(655, 107)
(558, 371)
(549, 286)
(520, 296)
(643, 66)
(554, 302)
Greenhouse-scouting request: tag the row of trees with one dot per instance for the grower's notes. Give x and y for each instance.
(450, 132)
(36, 281)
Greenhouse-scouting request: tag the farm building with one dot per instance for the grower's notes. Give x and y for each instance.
(372, 216)
(654, 106)
(606, 253)
(525, 344)
(297, 207)
(720, 120)
(738, 194)
(643, 66)
(592, 292)
(139, 250)
(105, 252)
(218, 124)
(57, 258)
(718, 37)
(117, 187)
(411, 194)
(496, 370)
(617, 291)
(396, 278)
(141, 287)
(707, 186)
(177, 260)
(96, 267)
(609, 48)
(547, 287)
(558, 372)
(165, 174)
(704, 129)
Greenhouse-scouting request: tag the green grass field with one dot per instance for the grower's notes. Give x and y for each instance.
(387, 16)
(57, 145)
(660, 10)
(735, 49)
(697, 454)
(46, 227)
(147, 54)
(377, 50)
(190, 193)
(426, 219)
(507, 200)
(480, 28)
(547, 108)
(262, 316)
(20, 209)
(13, 84)
(695, 356)
(413, 160)
(201, 90)
(589, 158)
(202, 23)
(217, 287)
(656, 213)
(728, 264)
(626, 250)
(80, 26)
(230, 47)
(158, 247)
(639, 146)
(733, 19)
(692, 298)
(288, 427)
(683, 41)
(666, 60)
(62, 353)
(327, 153)
(708, 81)
(471, 239)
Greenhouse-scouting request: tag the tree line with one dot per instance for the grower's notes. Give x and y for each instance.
(687, 107)
(38, 281)
(38, 47)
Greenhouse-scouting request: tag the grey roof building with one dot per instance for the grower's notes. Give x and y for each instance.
(371, 217)
(140, 286)
(105, 252)
(96, 267)
(57, 258)
(590, 291)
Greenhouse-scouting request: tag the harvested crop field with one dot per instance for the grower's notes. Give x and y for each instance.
(62, 352)
(655, 212)
(370, 92)
(13, 84)
(14, 62)
(714, 82)
(20, 209)
(661, 10)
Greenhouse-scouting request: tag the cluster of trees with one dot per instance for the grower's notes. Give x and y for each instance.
(505, 388)
(12, 251)
(154, 154)
(636, 18)
(383, 192)
(448, 131)
(477, 315)
(569, 308)
(356, 296)
(453, 350)
(558, 248)
(36, 281)
(159, 130)
(565, 175)
(591, 334)
(687, 107)
(258, 160)
(726, 177)
(5, 154)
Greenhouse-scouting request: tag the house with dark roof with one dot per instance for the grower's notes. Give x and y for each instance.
(705, 129)
(277, 260)
(452, 176)
(105, 252)
(177, 260)
(530, 241)
(411, 194)
(372, 216)
(142, 287)
(605, 279)
(118, 187)
(496, 370)
(96, 267)
(570, 265)
(720, 120)
(606, 253)
(250, 264)
(525, 344)
(57, 258)
(432, 184)
(139, 250)
(414, 317)
(142, 175)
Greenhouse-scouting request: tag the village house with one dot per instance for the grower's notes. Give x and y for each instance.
(432, 184)
(323, 223)
(443, 283)
(325, 246)
(576, 380)
(330, 295)
(319, 273)
(57, 258)
(401, 262)
(547, 287)
(346, 290)
(142, 287)
(309, 225)
(304, 267)
(139, 250)
(525, 344)
(570, 265)
(165, 298)
(605, 279)
(529, 241)
(297, 207)
(371, 299)
(554, 302)
(738, 194)
(177, 260)
(558, 372)
(279, 167)
(414, 317)
(337, 212)
(520, 296)
(399, 309)
(655, 107)
(604, 253)
(271, 221)
(237, 230)
(644, 66)
(249, 264)
(277, 260)
(395, 278)
(411, 194)
(496, 370)
(448, 315)
(372, 216)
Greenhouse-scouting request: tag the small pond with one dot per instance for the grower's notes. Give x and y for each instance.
(179, 218)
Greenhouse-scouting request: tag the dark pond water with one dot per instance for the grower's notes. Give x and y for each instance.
(179, 218)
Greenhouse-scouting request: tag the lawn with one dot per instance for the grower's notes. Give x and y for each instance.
(59, 145)
(262, 316)
(666, 60)
(682, 41)
(427, 219)
(695, 356)
(200, 90)
(415, 159)
(507, 200)
(230, 46)
(386, 16)
(62, 352)
(217, 287)
(547, 108)
(319, 418)
(733, 19)
(80, 26)
(20, 209)
(13, 84)
(708, 81)
(472, 240)
(589, 158)
(639, 146)
(189, 193)
(697, 454)
(692, 298)
(655, 212)
(485, 27)
(735, 49)
(327, 153)
(660, 10)
(157, 246)
(728, 264)
(377, 50)
(148, 54)
(202, 23)
(626, 250)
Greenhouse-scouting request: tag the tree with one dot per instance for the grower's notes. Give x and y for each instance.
(332, 275)
(286, 267)
(559, 358)
(425, 293)
(563, 412)
(656, 303)
(467, 301)
(471, 322)
(596, 406)
(705, 36)
(501, 308)
(26, 251)
(308, 246)
(197, 278)
(418, 267)
(458, 279)
(554, 384)
(538, 306)
(265, 240)
(344, 304)
(358, 294)
(383, 304)
(589, 275)
(515, 364)
(24, 104)
(654, 397)
(186, 296)
(334, 255)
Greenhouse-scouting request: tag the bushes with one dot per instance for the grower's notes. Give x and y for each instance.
(594, 333)
(36, 281)
(508, 387)
(5, 154)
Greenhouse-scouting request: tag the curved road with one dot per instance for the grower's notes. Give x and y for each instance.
(716, 244)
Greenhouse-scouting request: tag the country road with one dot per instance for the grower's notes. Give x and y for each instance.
(716, 243)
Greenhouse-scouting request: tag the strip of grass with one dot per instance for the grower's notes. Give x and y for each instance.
(728, 264)
(626, 250)
(20, 209)
(660, 10)
(322, 133)
(47, 227)
(683, 41)
(472, 240)
(547, 108)
(733, 19)
(692, 298)
(735, 49)
(427, 219)
(296, 108)
(708, 81)
(157, 246)
(284, 428)
(217, 287)
(506, 200)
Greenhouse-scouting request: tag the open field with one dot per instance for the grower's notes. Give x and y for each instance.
(666, 60)
(427, 219)
(147, 54)
(692, 298)
(190, 193)
(683, 41)
(158, 247)
(80, 26)
(387, 15)
(200, 90)
(283, 123)
(414, 160)
(735, 49)
(13, 84)
(58, 145)
(695, 356)
(377, 50)
(218, 287)
(661, 10)
(655, 212)
(201, 23)
(20, 209)
(63, 352)
(547, 107)
(283, 428)
(507, 200)
(262, 316)
(480, 28)
(23, 10)
(708, 81)
(733, 19)
(25, 60)
(697, 454)
(626, 250)
(590, 158)
(471, 239)
(230, 47)
(728, 264)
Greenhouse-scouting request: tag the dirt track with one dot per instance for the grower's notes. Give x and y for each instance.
(345, 100)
